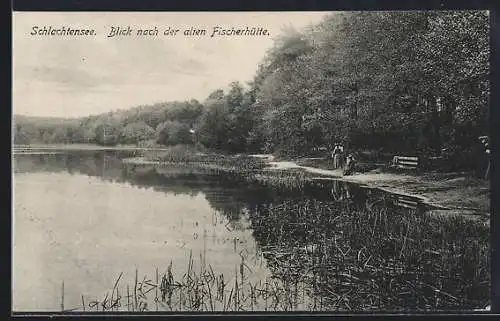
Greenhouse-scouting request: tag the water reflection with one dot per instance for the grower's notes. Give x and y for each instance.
(108, 166)
(331, 244)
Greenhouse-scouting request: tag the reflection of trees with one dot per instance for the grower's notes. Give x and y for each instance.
(92, 163)
(34, 163)
(226, 195)
(221, 193)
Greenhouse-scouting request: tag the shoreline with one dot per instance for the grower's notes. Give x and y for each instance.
(453, 192)
(450, 192)
(447, 195)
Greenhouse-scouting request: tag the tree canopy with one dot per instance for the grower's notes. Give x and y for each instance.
(402, 81)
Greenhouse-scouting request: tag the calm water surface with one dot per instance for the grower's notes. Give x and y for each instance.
(84, 218)
(78, 220)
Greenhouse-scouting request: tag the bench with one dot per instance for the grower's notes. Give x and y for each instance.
(405, 202)
(318, 151)
(405, 162)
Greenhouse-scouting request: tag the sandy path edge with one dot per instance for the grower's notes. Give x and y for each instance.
(392, 183)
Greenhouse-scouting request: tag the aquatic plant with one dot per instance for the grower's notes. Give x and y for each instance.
(203, 290)
(379, 258)
(327, 256)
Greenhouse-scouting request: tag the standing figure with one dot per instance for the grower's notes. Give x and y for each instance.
(487, 174)
(336, 157)
(332, 155)
(486, 142)
(342, 156)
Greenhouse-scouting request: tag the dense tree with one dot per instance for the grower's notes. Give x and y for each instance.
(172, 133)
(213, 128)
(282, 93)
(131, 126)
(401, 82)
(134, 133)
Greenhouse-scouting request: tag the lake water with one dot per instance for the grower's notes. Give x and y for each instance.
(84, 220)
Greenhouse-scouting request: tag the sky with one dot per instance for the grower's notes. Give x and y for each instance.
(65, 76)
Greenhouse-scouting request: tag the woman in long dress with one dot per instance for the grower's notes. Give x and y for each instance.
(336, 157)
(341, 156)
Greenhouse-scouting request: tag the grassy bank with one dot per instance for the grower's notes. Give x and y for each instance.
(240, 168)
(190, 156)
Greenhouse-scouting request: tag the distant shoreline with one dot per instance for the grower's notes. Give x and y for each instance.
(20, 148)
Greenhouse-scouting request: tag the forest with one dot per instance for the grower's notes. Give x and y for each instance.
(393, 82)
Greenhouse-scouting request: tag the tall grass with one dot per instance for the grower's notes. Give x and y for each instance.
(375, 258)
(323, 256)
(196, 290)
(286, 179)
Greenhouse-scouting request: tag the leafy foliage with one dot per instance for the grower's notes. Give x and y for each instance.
(400, 82)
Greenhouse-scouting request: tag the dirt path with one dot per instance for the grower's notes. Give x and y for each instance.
(453, 192)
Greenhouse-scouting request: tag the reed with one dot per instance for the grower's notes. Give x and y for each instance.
(202, 290)
(328, 256)
(378, 255)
